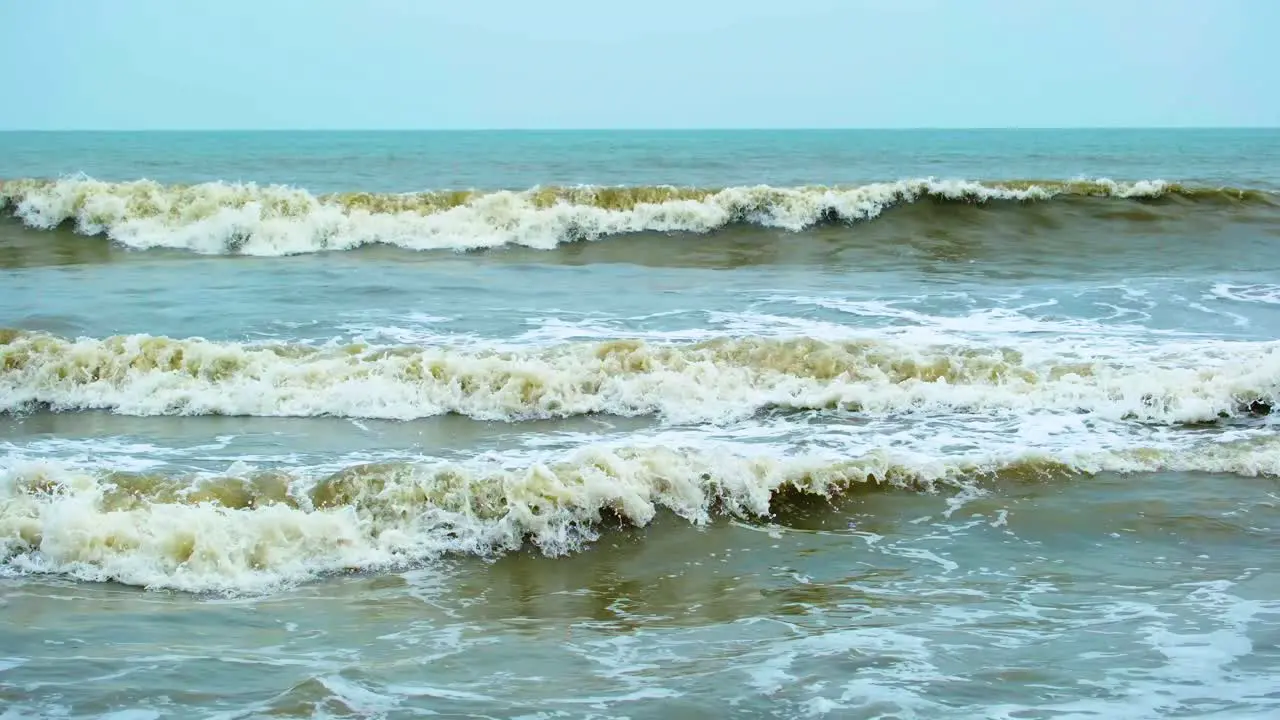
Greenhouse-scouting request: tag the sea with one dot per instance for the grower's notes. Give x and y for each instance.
(775, 424)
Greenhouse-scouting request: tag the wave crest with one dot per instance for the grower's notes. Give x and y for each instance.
(245, 218)
(716, 380)
(252, 531)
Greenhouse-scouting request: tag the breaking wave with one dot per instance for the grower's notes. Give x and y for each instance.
(715, 380)
(240, 218)
(252, 531)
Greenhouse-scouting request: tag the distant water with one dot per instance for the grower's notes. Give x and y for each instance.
(644, 424)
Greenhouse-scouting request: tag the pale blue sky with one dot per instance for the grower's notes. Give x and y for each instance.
(143, 64)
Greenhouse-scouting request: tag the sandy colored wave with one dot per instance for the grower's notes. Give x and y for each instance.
(242, 218)
(723, 379)
(249, 531)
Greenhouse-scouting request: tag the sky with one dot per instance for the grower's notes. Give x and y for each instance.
(463, 64)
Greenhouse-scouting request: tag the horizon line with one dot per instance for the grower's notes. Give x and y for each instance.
(922, 128)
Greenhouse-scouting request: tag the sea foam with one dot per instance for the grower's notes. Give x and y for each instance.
(245, 218)
(254, 531)
(714, 380)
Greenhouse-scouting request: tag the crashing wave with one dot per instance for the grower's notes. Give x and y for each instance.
(715, 380)
(245, 218)
(250, 531)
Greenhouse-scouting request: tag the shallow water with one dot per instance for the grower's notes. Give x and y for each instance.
(1160, 604)
(899, 449)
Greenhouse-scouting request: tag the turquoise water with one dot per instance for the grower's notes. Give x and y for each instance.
(411, 161)
(765, 424)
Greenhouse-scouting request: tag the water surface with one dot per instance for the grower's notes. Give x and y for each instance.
(645, 425)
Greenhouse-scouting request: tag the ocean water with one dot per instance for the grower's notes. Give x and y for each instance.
(640, 425)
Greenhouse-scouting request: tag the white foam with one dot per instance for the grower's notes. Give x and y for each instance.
(1200, 665)
(1258, 293)
(57, 518)
(241, 218)
(721, 381)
